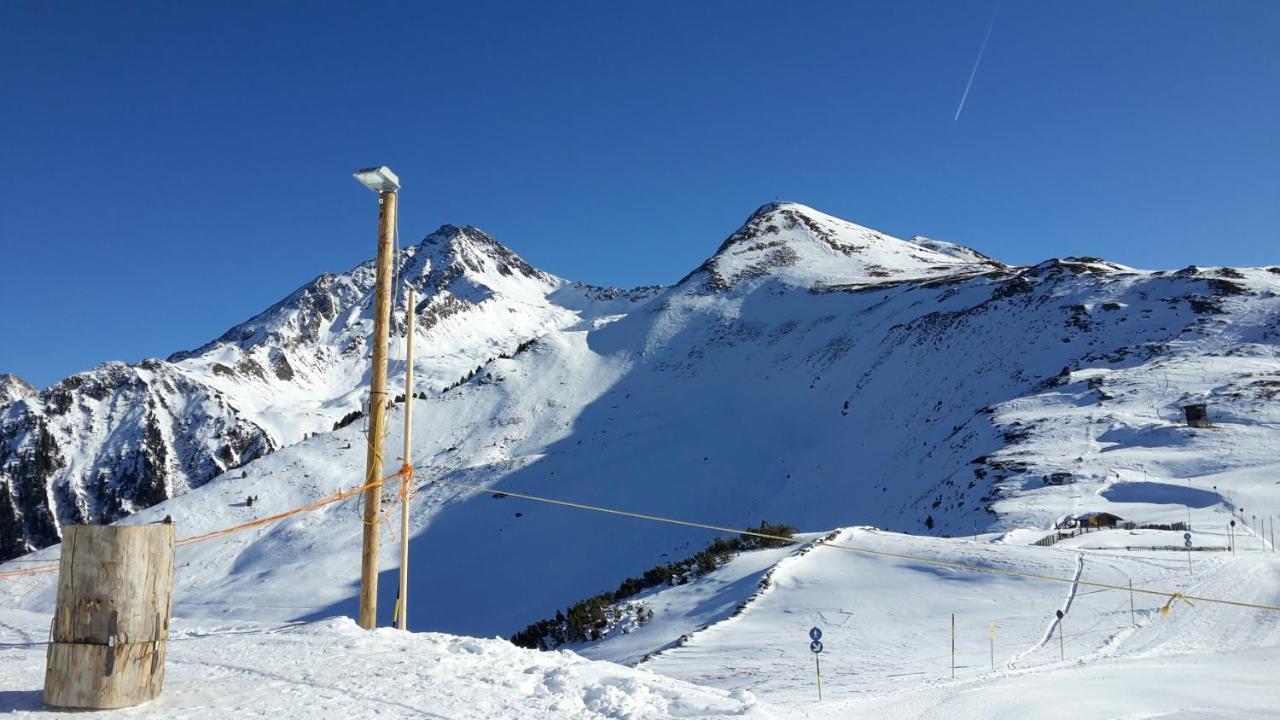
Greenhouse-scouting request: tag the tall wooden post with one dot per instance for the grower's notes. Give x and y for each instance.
(377, 407)
(402, 617)
(111, 623)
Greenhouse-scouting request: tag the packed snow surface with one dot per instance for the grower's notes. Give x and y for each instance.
(334, 669)
(744, 652)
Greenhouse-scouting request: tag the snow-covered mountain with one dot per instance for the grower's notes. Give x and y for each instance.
(14, 388)
(811, 372)
(107, 442)
(805, 248)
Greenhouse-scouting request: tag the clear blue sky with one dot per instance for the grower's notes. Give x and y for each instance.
(172, 168)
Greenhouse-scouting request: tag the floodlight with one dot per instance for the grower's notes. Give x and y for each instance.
(378, 179)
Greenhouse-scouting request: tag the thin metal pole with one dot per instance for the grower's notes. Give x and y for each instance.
(1133, 615)
(402, 619)
(377, 404)
(817, 667)
(1062, 647)
(953, 646)
(993, 647)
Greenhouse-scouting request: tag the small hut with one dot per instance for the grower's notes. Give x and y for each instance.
(1197, 415)
(1097, 520)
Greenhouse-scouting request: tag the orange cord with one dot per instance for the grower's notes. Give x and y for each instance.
(267, 520)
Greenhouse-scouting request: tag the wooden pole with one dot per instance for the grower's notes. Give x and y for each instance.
(377, 406)
(402, 621)
(817, 666)
(111, 623)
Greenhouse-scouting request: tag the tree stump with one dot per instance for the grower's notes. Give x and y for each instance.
(111, 624)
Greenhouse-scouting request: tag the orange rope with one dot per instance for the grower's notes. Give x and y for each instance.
(267, 520)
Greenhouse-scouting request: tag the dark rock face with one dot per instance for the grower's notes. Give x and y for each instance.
(105, 443)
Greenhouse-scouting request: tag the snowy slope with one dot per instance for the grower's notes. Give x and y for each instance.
(104, 443)
(887, 638)
(812, 392)
(333, 669)
(14, 388)
(806, 248)
(887, 633)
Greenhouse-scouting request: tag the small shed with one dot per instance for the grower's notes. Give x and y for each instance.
(1098, 520)
(1197, 415)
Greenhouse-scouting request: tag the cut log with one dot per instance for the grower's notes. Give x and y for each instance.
(111, 623)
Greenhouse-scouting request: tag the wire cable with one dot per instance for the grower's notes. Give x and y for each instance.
(863, 550)
(405, 474)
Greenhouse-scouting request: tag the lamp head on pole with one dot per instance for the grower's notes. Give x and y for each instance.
(378, 179)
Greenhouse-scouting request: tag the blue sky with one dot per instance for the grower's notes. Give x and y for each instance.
(170, 169)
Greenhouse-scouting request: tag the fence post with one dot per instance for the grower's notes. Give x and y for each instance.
(111, 623)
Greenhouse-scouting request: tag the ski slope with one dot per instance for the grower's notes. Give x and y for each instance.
(886, 626)
(743, 645)
(886, 621)
(334, 669)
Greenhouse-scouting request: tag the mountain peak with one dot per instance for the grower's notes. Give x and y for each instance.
(453, 252)
(14, 388)
(804, 247)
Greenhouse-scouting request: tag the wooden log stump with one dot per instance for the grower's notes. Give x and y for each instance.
(111, 624)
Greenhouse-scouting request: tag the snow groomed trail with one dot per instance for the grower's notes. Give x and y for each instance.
(886, 623)
(886, 627)
(333, 669)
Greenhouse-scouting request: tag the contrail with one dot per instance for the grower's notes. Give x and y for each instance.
(973, 73)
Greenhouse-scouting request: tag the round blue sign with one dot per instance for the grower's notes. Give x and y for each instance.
(815, 634)
(1186, 536)
(815, 646)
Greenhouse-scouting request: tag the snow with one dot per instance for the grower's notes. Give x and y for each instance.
(886, 624)
(332, 668)
(818, 374)
(887, 638)
(14, 388)
(802, 247)
(889, 407)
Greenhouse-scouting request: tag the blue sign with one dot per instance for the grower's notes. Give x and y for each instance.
(815, 646)
(1187, 543)
(815, 634)
(1186, 536)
